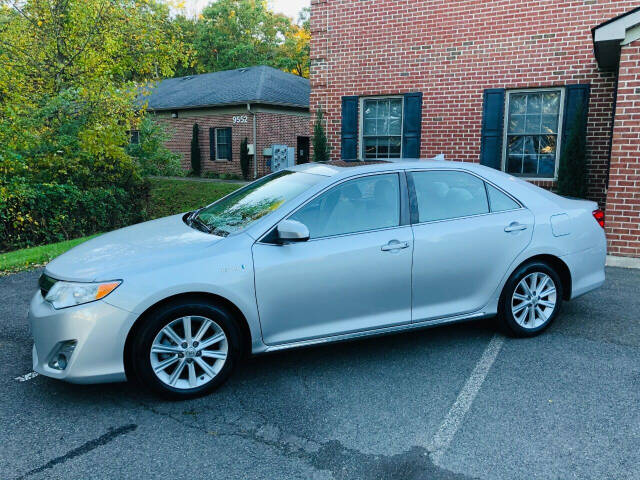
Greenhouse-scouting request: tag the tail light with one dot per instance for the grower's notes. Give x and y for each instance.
(599, 216)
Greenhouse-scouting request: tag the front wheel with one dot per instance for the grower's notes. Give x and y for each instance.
(531, 299)
(186, 349)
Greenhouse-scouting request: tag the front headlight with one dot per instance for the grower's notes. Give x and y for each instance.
(68, 294)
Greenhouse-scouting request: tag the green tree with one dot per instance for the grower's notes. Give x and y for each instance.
(244, 158)
(321, 148)
(196, 157)
(150, 153)
(293, 56)
(240, 33)
(572, 171)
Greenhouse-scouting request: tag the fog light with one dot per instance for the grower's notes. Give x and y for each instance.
(61, 354)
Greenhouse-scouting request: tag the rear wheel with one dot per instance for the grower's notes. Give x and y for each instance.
(186, 349)
(531, 299)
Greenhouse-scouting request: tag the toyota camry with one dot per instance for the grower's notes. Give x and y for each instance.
(312, 254)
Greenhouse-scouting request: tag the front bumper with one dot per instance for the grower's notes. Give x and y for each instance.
(100, 331)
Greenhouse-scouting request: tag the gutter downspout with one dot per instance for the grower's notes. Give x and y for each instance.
(255, 142)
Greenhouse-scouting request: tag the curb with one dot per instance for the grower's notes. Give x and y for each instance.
(623, 262)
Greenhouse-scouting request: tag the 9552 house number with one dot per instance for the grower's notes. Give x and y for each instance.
(240, 119)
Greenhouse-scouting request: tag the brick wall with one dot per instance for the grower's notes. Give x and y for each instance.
(623, 196)
(452, 51)
(282, 128)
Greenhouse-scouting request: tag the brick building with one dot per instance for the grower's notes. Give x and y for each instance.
(500, 82)
(262, 104)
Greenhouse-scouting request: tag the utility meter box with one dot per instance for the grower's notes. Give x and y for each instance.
(282, 157)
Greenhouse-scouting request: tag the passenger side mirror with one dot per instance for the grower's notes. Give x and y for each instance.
(292, 231)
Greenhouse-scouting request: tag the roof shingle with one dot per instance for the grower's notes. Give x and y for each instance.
(260, 84)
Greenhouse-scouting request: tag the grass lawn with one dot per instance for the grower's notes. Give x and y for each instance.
(167, 197)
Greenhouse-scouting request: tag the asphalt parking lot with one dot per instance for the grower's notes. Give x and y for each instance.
(456, 402)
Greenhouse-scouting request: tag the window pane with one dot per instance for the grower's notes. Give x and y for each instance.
(223, 152)
(516, 145)
(549, 124)
(530, 165)
(499, 201)
(382, 128)
(532, 131)
(530, 144)
(359, 205)
(551, 102)
(533, 124)
(445, 195)
(516, 123)
(396, 108)
(514, 164)
(518, 103)
(547, 145)
(534, 103)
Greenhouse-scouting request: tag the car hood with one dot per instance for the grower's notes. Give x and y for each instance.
(142, 246)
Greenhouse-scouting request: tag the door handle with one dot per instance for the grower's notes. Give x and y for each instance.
(394, 245)
(515, 227)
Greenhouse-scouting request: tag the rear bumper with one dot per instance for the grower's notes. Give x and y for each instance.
(97, 328)
(587, 270)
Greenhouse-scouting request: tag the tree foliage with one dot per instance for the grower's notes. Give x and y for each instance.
(245, 158)
(196, 156)
(232, 34)
(321, 148)
(150, 152)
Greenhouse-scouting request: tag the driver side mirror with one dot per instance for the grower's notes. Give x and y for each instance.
(292, 231)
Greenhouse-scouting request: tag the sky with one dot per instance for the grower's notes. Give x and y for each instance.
(290, 8)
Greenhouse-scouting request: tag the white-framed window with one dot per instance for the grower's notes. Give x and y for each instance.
(381, 127)
(223, 144)
(533, 132)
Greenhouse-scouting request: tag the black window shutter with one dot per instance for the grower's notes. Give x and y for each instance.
(576, 99)
(412, 125)
(349, 142)
(492, 128)
(212, 143)
(228, 135)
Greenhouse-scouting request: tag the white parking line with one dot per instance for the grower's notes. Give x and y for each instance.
(28, 376)
(441, 440)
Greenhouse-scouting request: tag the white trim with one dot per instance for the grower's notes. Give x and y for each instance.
(361, 101)
(560, 134)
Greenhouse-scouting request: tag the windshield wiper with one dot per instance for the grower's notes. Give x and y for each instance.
(193, 218)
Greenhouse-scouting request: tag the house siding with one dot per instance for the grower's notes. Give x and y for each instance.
(272, 127)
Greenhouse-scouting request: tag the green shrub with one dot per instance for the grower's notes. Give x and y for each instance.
(321, 148)
(196, 160)
(150, 153)
(244, 158)
(36, 214)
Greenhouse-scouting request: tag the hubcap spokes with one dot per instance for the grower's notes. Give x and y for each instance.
(534, 300)
(189, 352)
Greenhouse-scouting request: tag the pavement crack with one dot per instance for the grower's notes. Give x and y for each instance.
(108, 437)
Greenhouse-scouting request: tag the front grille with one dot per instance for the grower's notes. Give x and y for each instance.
(45, 283)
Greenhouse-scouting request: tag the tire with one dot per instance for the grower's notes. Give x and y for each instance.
(173, 351)
(518, 300)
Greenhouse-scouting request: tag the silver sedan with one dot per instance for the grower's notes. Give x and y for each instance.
(308, 255)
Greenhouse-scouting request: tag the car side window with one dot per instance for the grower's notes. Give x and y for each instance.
(500, 202)
(359, 205)
(443, 195)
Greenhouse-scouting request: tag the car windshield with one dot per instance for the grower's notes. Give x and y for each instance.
(254, 201)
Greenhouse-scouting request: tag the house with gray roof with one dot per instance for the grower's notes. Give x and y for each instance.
(262, 104)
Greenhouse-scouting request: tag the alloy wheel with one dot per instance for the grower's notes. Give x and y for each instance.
(189, 352)
(534, 300)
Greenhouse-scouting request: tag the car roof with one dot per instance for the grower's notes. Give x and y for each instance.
(356, 168)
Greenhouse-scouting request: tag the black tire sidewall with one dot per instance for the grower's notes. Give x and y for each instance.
(159, 319)
(505, 312)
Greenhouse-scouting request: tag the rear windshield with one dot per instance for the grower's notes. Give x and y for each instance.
(245, 206)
